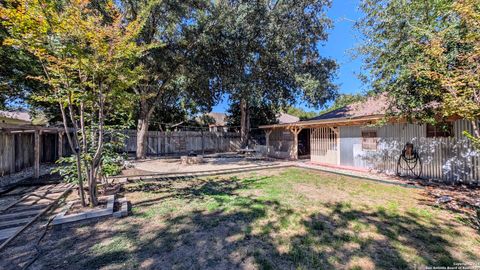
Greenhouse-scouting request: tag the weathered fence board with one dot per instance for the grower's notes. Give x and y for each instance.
(181, 142)
(17, 151)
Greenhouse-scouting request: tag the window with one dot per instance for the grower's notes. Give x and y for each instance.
(441, 130)
(369, 140)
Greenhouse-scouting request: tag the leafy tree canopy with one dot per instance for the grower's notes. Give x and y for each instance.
(344, 100)
(261, 114)
(271, 48)
(425, 55)
(87, 54)
(300, 113)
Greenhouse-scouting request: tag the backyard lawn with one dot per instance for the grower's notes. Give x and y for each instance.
(283, 219)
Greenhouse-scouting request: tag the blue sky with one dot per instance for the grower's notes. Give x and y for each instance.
(342, 38)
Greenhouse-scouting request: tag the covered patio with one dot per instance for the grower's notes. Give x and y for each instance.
(317, 140)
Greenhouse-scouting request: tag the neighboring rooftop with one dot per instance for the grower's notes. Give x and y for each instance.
(15, 118)
(219, 118)
(285, 118)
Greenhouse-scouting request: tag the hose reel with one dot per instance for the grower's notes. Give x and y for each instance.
(409, 160)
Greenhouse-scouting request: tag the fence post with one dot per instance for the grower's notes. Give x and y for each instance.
(36, 162)
(203, 146)
(60, 144)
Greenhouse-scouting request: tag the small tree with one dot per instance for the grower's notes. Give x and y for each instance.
(86, 55)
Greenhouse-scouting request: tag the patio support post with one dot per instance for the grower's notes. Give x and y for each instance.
(267, 137)
(295, 131)
(36, 155)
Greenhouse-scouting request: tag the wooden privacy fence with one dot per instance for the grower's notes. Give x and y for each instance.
(18, 150)
(182, 142)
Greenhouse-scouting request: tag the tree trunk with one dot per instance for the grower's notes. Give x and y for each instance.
(76, 152)
(476, 128)
(244, 123)
(92, 186)
(81, 192)
(142, 130)
(476, 134)
(97, 157)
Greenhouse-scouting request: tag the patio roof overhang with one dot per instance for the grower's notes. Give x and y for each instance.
(344, 121)
(7, 128)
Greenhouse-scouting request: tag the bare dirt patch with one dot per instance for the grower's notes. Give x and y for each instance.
(173, 165)
(312, 192)
(78, 208)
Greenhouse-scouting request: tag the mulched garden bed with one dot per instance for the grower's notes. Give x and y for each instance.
(461, 199)
(78, 208)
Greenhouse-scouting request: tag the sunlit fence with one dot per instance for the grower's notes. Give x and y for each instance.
(181, 142)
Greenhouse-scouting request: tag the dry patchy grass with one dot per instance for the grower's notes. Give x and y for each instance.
(285, 219)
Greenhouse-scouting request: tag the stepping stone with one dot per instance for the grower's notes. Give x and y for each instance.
(7, 233)
(10, 223)
(20, 214)
(21, 208)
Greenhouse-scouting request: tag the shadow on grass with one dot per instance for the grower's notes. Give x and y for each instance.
(245, 231)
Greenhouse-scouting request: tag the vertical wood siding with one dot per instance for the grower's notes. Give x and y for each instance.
(448, 159)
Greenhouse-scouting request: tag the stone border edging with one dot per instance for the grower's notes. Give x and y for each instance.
(62, 218)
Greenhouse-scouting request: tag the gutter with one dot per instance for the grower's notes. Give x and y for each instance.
(342, 120)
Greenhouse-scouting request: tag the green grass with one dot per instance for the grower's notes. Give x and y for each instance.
(293, 219)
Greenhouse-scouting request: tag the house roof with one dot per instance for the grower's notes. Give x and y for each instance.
(219, 118)
(373, 108)
(284, 118)
(16, 115)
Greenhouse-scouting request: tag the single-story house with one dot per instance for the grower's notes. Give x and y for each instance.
(285, 118)
(218, 121)
(358, 137)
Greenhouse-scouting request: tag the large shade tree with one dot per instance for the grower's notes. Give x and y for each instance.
(273, 54)
(425, 55)
(260, 114)
(17, 66)
(178, 70)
